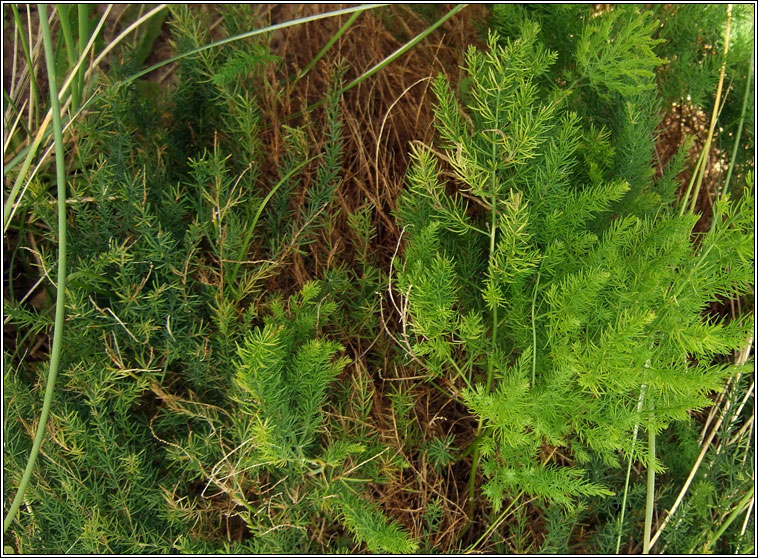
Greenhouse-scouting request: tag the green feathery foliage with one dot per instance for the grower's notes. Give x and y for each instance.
(284, 374)
(229, 379)
(178, 230)
(578, 310)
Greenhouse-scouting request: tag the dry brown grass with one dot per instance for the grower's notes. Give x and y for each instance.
(381, 116)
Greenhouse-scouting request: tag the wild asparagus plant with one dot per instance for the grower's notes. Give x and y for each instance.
(554, 316)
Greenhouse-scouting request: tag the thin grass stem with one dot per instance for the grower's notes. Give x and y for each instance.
(68, 40)
(695, 172)
(650, 499)
(495, 525)
(14, 64)
(739, 128)
(714, 115)
(744, 504)
(252, 226)
(403, 49)
(493, 341)
(389, 59)
(640, 402)
(241, 36)
(10, 132)
(534, 332)
(83, 16)
(60, 295)
(11, 203)
(328, 45)
(33, 87)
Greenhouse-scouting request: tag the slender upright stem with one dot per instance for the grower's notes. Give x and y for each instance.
(493, 339)
(68, 39)
(743, 505)
(695, 172)
(33, 87)
(534, 332)
(83, 11)
(327, 46)
(629, 468)
(650, 500)
(493, 345)
(739, 130)
(60, 298)
(714, 115)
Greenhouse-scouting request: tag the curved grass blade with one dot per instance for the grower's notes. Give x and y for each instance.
(60, 297)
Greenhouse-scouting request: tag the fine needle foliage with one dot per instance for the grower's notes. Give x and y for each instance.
(387, 279)
(552, 315)
(176, 229)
